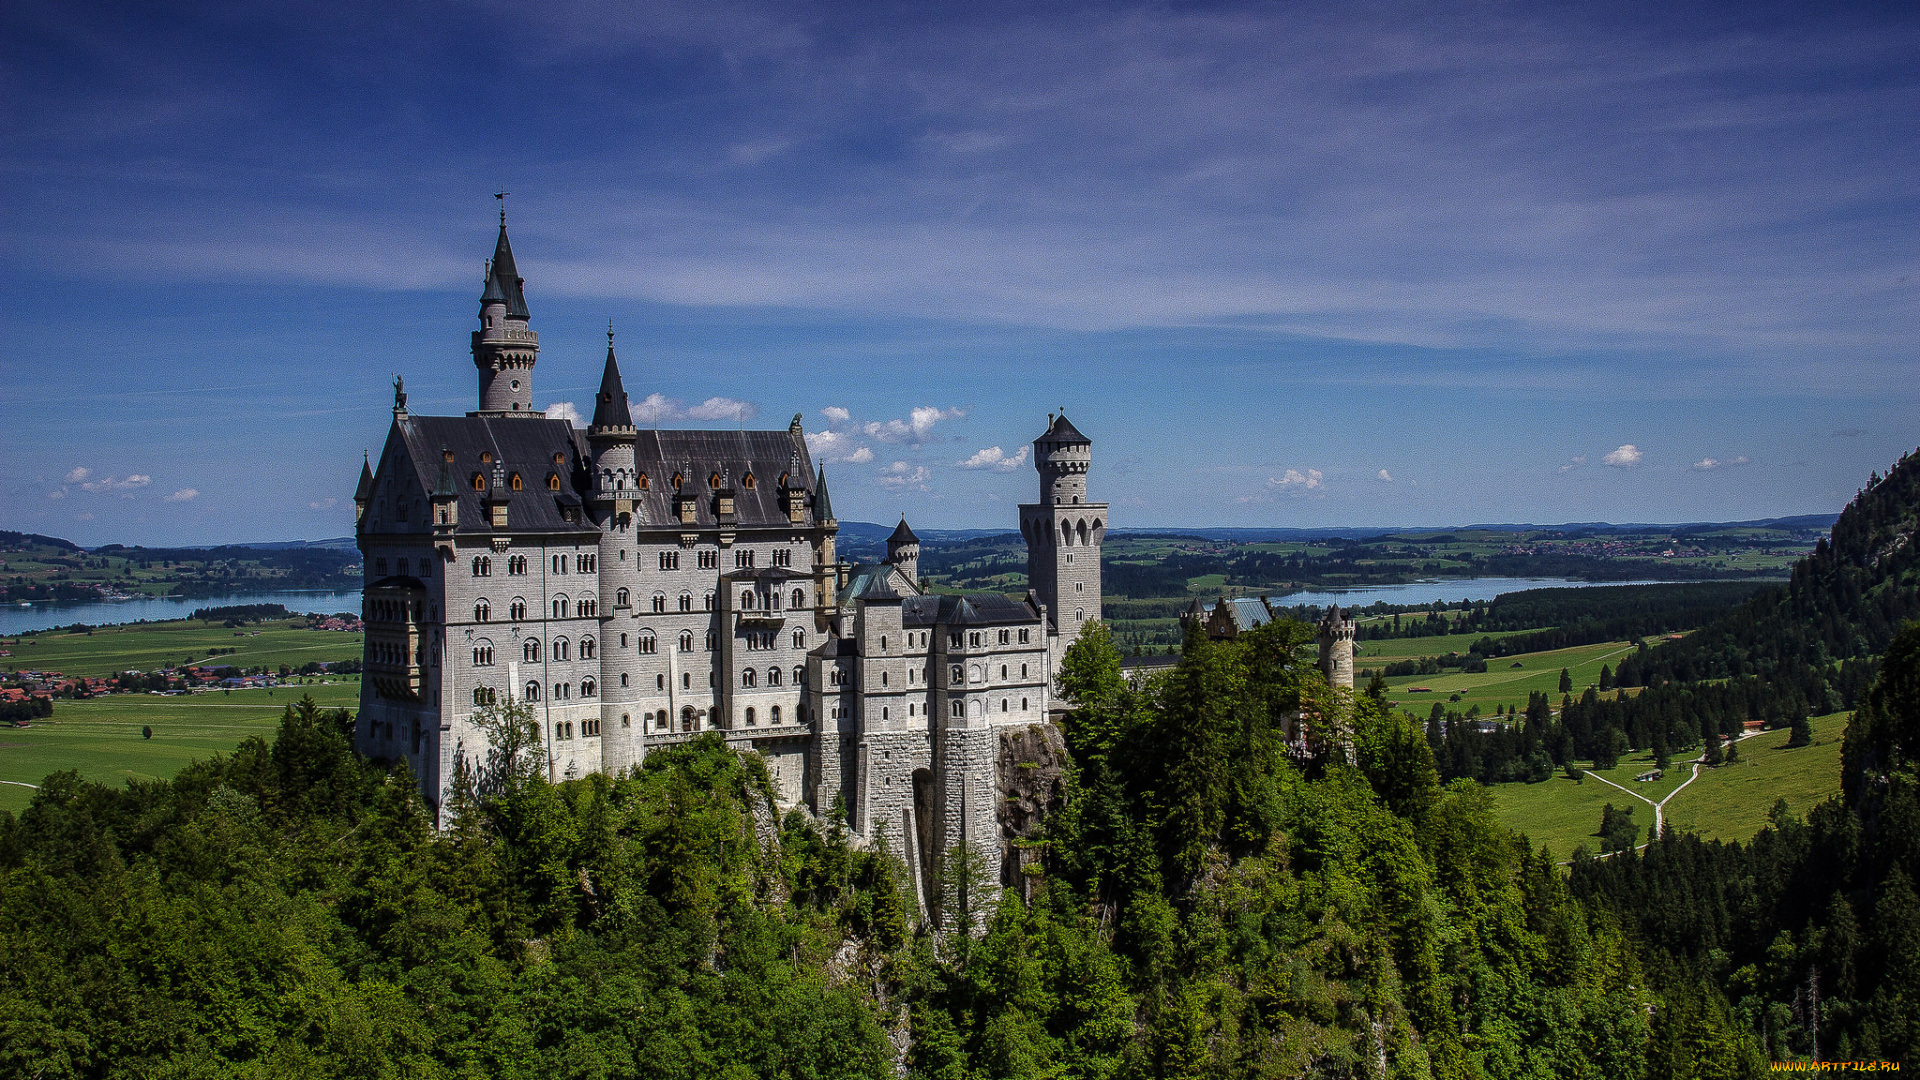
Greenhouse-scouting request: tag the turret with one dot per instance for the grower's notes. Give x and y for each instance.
(1064, 532)
(1062, 455)
(1336, 647)
(504, 350)
(903, 551)
(611, 435)
(363, 494)
(446, 507)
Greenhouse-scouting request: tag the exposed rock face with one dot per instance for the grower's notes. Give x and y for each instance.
(1032, 767)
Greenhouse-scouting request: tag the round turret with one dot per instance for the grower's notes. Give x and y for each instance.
(1062, 456)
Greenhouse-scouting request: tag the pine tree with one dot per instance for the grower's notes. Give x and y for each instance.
(1566, 681)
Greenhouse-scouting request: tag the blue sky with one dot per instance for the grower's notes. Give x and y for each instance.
(1287, 265)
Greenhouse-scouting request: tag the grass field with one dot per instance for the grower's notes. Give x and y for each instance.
(1504, 684)
(113, 649)
(1728, 803)
(100, 737)
(1365, 653)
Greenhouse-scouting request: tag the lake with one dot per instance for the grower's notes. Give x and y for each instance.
(1452, 590)
(15, 619)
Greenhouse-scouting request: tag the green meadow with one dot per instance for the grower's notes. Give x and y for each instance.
(1508, 679)
(100, 737)
(1727, 803)
(110, 650)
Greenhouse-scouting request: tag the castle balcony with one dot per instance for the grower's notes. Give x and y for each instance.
(760, 618)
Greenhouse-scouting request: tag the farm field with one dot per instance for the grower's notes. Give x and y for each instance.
(100, 737)
(1728, 803)
(109, 650)
(1390, 649)
(1503, 683)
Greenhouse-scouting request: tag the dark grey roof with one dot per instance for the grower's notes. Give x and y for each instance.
(877, 588)
(1062, 431)
(902, 534)
(610, 407)
(735, 455)
(504, 282)
(365, 490)
(764, 573)
(972, 609)
(861, 577)
(822, 506)
(446, 487)
(525, 446)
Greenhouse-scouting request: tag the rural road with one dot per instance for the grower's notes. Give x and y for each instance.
(1659, 808)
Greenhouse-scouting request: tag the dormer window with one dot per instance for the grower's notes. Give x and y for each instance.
(479, 481)
(553, 481)
(513, 481)
(559, 459)
(641, 482)
(486, 457)
(714, 481)
(747, 481)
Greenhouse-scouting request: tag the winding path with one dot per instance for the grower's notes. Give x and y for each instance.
(1660, 807)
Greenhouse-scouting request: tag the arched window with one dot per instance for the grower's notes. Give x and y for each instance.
(530, 651)
(686, 601)
(560, 607)
(517, 564)
(587, 648)
(677, 481)
(708, 602)
(587, 688)
(799, 598)
(585, 609)
(746, 678)
(749, 716)
(883, 678)
(799, 639)
(476, 566)
(513, 481)
(533, 691)
(517, 610)
(647, 644)
(746, 600)
(622, 598)
(959, 707)
(482, 611)
(773, 716)
(773, 676)
(483, 654)
(561, 650)
(483, 695)
(712, 641)
(561, 691)
(686, 641)
(1079, 615)
(955, 674)
(799, 676)
(553, 481)
(659, 601)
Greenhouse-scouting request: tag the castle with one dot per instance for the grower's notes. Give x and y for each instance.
(639, 587)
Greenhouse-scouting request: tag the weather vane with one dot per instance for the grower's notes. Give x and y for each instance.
(502, 196)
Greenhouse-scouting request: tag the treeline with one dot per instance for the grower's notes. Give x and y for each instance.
(241, 613)
(1576, 616)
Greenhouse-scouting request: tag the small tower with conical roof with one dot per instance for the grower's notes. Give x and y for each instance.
(903, 551)
(613, 501)
(504, 349)
(1064, 532)
(1335, 632)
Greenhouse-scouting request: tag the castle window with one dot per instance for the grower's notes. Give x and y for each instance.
(513, 481)
(773, 676)
(482, 567)
(782, 557)
(560, 648)
(746, 678)
(641, 482)
(973, 638)
(648, 644)
(746, 600)
(959, 707)
(1069, 558)
(530, 652)
(622, 598)
(517, 610)
(585, 563)
(1023, 704)
(773, 716)
(483, 654)
(713, 481)
(686, 641)
(1023, 671)
(1079, 615)
(426, 568)
(708, 603)
(587, 648)
(559, 564)
(482, 611)
(1023, 637)
(479, 482)
(559, 459)
(483, 695)
(709, 560)
(660, 602)
(1079, 586)
(746, 481)
(560, 608)
(1003, 671)
(799, 639)
(686, 601)
(953, 641)
(743, 559)
(799, 676)
(562, 692)
(883, 678)
(533, 691)
(587, 687)
(403, 566)
(677, 481)
(1005, 636)
(954, 674)
(586, 609)
(669, 560)
(553, 481)
(749, 716)
(517, 564)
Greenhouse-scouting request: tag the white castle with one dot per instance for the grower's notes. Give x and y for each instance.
(638, 587)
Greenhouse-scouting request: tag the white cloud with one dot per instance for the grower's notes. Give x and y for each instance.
(835, 414)
(564, 410)
(78, 473)
(916, 429)
(1627, 456)
(723, 408)
(655, 408)
(1386, 476)
(837, 446)
(900, 475)
(133, 480)
(84, 517)
(1579, 461)
(323, 504)
(1294, 478)
(189, 494)
(1706, 464)
(995, 458)
(57, 493)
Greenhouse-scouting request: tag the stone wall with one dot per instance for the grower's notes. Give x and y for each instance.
(1032, 772)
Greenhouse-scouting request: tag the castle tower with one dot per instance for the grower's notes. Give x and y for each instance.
(504, 350)
(610, 439)
(1063, 533)
(903, 551)
(1336, 648)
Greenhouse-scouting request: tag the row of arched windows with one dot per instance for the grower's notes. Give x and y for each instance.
(748, 677)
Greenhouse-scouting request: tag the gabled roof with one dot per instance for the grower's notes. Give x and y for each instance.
(1249, 612)
(972, 609)
(504, 282)
(610, 406)
(902, 534)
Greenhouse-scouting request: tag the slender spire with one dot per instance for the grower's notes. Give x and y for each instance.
(446, 487)
(823, 506)
(504, 283)
(365, 490)
(610, 406)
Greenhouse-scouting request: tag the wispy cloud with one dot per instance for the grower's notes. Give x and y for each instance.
(132, 482)
(723, 408)
(916, 429)
(190, 494)
(837, 446)
(565, 410)
(1295, 479)
(900, 475)
(1385, 477)
(1625, 457)
(1708, 464)
(655, 408)
(1578, 461)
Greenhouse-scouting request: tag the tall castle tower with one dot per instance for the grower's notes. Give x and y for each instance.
(503, 348)
(612, 496)
(1336, 647)
(1063, 533)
